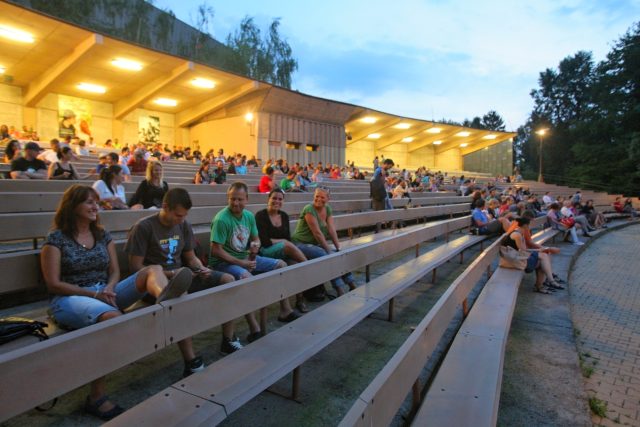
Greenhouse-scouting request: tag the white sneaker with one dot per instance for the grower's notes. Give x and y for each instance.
(578, 243)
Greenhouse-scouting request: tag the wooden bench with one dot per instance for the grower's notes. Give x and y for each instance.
(231, 382)
(28, 377)
(25, 265)
(380, 401)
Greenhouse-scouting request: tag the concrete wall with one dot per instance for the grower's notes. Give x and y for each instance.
(449, 160)
(44, 119)
(233, 135)
(424, 156)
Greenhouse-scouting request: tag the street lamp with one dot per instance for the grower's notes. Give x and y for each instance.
(541, 133)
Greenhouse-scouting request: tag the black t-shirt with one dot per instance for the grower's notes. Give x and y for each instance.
(267, 231)
(23, 165)
(149, 195)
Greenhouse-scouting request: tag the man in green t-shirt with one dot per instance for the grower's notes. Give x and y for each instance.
(288, 183)
(234, 248)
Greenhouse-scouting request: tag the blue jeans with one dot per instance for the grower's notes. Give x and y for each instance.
(314, 251)
(75, 311)
(263, 264)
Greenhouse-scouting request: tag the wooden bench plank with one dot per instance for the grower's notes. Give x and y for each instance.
(39, 372)
(242, 375)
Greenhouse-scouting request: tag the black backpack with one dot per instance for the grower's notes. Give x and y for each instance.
(12, 328)
(377, 190)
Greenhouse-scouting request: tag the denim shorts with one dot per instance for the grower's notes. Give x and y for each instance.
(75, 311)
(263, 264)
(532, 262)
(274, 251)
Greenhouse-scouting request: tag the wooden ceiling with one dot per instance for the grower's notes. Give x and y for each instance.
(62, 56)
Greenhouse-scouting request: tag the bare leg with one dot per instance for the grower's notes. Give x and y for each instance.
(539, 278)
(99, 386)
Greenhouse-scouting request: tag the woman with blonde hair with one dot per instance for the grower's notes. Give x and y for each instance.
(151, 190)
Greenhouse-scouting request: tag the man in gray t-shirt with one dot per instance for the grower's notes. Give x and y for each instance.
(166, 239)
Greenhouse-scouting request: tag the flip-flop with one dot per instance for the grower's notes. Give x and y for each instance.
(177, 286)
(555, 286)
(541, 291)
(94, 409)
(290, 318)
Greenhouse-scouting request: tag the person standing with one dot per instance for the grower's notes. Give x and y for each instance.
(378, 189)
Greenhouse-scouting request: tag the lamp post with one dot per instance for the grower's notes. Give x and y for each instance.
(541, 133)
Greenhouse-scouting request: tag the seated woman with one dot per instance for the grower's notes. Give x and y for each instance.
(109, 188)
(595, 218)
(401, 190)
(555, 221)
(567, 211)
(204, 175)
(63, 169)
(538, 260)
(275, 237)
(267, 182)
(80, 269)
(151, 190)
(11, 151)
(314, 227)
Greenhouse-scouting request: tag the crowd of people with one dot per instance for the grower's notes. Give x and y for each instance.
(81, 270)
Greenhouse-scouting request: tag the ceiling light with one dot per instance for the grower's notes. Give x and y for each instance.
(491, 136)
(203, 83)
(2, 69)
(127, 64)
(248, 117)
(374, 136)
(402, 126)
(15, 34)
(368, 120)
(90, 87)
(407, 139)
(437, 142)
(464, 144)
(465, 133)
(433, 130)
(166, 102)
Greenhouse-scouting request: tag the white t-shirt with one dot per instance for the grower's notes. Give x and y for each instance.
(49, 156)
(547, 200)
(105, 193)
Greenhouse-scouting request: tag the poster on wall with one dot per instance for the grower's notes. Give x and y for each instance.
(74, 117)
(149, 129)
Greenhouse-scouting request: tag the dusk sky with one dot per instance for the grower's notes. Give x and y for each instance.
(429, 59)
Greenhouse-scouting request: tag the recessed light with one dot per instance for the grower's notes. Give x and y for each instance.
(2, 69)
(403, 126)
(127, 64)
(464, 144)
(374, 136)
(437, 142)
(15, 34)
(463, 134)
(203, 83)
(90, 87)
(491, 136)
(433, 130)
(407, 139)
(166, 102)
(368, 120)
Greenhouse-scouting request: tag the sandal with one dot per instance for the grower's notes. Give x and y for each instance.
(554, 286)
(558, 279)
(290, 317)
(94, 409)
(302, 307)
(541, 291)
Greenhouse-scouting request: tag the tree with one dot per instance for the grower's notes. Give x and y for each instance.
(493, 121)
(269, 59)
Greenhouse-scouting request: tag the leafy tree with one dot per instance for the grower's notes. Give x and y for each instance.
(269, 59)
(475, 123)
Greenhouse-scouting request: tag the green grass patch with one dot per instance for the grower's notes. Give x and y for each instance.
(598, 407)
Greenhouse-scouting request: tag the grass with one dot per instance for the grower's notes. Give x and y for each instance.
(598, 407)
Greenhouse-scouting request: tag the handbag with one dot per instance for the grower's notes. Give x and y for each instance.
(12, 328)
(513, 258)
(568, 222)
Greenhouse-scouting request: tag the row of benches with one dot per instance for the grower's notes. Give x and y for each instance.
(156, 327)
